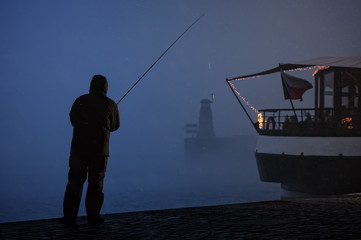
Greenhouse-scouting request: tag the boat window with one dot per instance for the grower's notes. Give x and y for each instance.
(328, 89)
(350, 88)
(344, 102)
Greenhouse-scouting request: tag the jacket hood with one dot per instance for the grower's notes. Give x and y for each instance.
(99, 85)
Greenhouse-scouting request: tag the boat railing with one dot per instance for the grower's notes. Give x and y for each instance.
(310, 122)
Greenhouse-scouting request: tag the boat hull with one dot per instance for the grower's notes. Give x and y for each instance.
(313, 165)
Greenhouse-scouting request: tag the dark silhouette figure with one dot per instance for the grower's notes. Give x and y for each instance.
(93, 117)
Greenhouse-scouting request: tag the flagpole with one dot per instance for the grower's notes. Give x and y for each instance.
(293, 108)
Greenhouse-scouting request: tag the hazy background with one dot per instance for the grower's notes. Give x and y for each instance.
(49, 50)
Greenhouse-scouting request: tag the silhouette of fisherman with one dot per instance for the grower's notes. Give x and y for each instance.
(93, 117)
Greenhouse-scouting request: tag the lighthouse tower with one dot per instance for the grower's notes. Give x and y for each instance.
(205, 141)
(206, 145)
(205, 124)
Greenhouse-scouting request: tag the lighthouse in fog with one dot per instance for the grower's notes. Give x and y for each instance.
(205, 140)
(205, 123)
(206, 144)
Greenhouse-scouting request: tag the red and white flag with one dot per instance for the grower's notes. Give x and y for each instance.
(294, 87)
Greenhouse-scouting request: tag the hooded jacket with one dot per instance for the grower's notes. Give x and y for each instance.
(93, 117)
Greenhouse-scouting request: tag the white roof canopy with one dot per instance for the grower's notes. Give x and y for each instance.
(347, 62)
(344, 62)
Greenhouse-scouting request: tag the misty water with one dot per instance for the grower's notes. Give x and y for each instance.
(134, 183)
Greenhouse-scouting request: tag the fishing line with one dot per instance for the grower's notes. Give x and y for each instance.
(159, 58)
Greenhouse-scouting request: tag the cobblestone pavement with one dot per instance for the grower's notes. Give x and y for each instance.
(327, 218)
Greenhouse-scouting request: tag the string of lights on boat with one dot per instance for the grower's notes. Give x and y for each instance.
(260, 117)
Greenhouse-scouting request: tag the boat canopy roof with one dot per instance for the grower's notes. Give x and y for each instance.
(343, 62)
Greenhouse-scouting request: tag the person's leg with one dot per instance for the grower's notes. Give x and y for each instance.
(76, 178)
(95, 197)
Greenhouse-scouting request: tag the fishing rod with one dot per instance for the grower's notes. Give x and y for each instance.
(130, 89)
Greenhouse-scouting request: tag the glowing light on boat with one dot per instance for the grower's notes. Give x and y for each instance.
(319, 68)
(260, 120)
(260, 117)
(244, 99)
(240, 79)
(348, 121)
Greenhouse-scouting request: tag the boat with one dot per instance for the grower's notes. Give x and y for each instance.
(312, 151)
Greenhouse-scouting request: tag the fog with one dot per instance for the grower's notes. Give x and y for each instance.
(49, 50)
